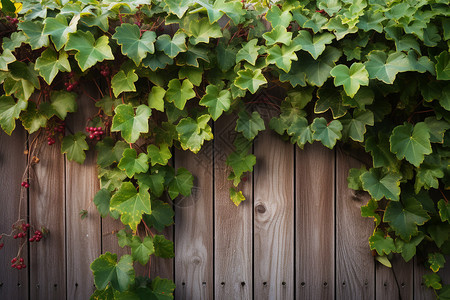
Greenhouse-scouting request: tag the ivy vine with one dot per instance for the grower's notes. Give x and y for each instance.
(371, 73)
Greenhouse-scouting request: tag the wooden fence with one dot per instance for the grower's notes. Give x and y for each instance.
(299, 234)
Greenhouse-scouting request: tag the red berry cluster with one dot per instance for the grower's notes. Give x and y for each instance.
(18, 264)
(24, 228)
(70, 86)
(25, 184)
(13, 21)
(104, 70)
(95, 132)
(59, 128)
(37, 236)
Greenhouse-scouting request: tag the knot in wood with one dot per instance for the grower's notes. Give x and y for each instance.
(260, 208)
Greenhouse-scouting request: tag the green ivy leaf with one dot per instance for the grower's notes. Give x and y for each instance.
(443, 66)
(317, 71)
(381, 243)
(182, 184)
(161, 217)
(250, 80)
(379, 149)
(163, 247)
(172, 46)
(132, 164)
(124, 238)
(34, 31)
(130, 124)
(355, 127)
(90, 51)
(351, 78)
(9, 112)
(49, 64)
(330, 98)
(328, 134)
(384, 67)
(354, 179)
(249, 125)
(439, 232)
(177, 7)
(381, 184)
(405, 217)
(102, 200)
(236, 196)
(59, 29)
(131, 204)
(444, 210)
(179, 93)
(157, 61)
(133, 44)
(300, 132)
(296, 75)
(411, 143)
(436, 261)
(142, 249)
(6, 58)
(432, 280)
(276, 16)
(74, 146)
(216, 100)
(109, 152)
(107, 104)
(162, 289)
(62, 102)
(408, 249)
(107, 270)
(369, 210)
(281, 56)
(153, 181)
(32, 119)
(240, 163)
(159, 155)
(202, 31)
(278, 34)
(192, 133)
(437, 129)
(315, 45)
(249, 52)
(124, 82)
(156, 98)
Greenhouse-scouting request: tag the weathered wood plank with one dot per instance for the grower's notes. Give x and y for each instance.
(233, 225)
(315, 184)
(355, 275)
(13, 283)
(194, 231)
(396, 282)
(48, 209)
(83, 235)
(273, 218)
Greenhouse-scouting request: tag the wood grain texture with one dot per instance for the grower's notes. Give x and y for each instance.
(48, 209)
(194, 231)
(83, 235)
(13, 283)
(354, 262)
(273, 218)
(396, 282)
(233, 225)
(315, 198)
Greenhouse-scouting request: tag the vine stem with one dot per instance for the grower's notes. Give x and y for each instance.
(443, 195)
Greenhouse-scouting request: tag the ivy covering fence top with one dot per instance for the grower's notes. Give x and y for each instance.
(370, 73)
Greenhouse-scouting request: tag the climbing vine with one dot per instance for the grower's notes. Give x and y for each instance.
(372, 74)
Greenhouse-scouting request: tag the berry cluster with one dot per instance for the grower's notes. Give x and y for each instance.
(13, 21)
(24, 228)
(70, 86)
(18, 264)
(37, 236)
(104, 70)
(25, 184)
(59, 128)
(95, 132)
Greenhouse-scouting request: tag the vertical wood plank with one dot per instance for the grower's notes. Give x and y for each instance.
(396, 282)
(273, 218)
(13, 283)
(421, 292)
(47, 209)
(194, 231)
(355, 275)
(315, 184)
(233, 225)
(83, 236)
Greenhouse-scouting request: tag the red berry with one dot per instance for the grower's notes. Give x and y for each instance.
(31, 239)
(98, 138)
(91, 128)
(100, 132)
(1, 246)
(27, 185)
(13, 260)
(23, 183)
(91, 136)
(21, 259)
(24, 266)
(15, 236)
(27, 225)
(18, 267)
